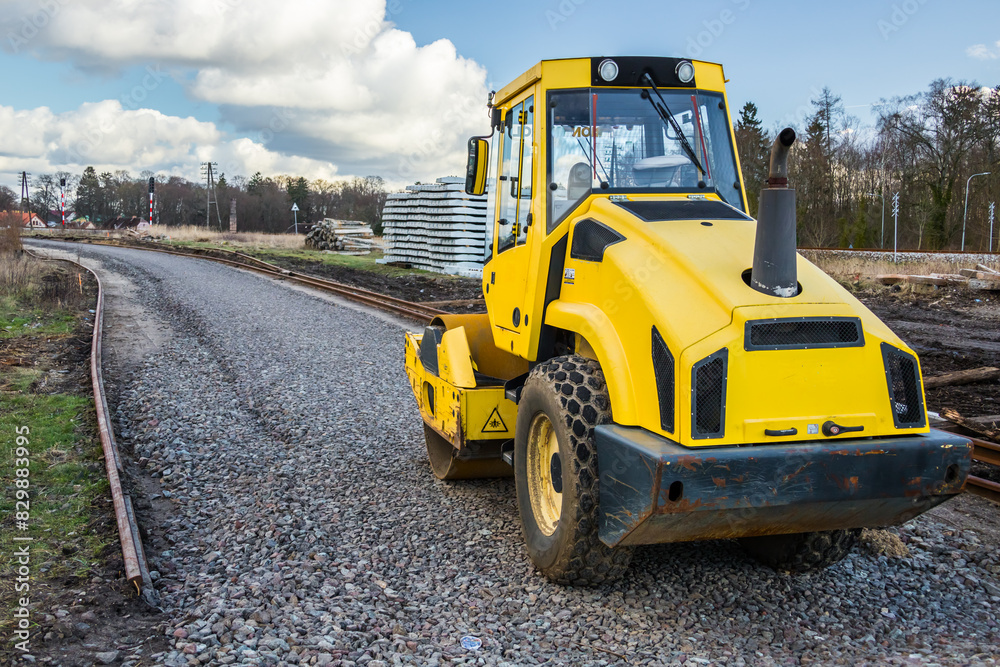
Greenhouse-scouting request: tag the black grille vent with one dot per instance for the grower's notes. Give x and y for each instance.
(903, 377)
(663, 367)
(708, 396)
(803, 333)
(591, 239)
(683, 209)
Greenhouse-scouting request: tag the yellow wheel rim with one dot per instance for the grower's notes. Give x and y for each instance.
(544, 474)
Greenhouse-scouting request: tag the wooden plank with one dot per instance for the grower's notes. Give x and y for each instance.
(979, 275)
(983, 374)
(938, 279)
(929, 280)
(956, 418)
(986, 269)
(988, 285)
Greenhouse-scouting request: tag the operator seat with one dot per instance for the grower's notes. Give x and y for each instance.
(580, 184)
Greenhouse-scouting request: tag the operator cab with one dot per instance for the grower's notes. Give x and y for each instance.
(615, 141)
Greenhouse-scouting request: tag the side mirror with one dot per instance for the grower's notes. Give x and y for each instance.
(475, 175)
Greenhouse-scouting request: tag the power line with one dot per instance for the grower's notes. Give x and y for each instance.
(208, 171)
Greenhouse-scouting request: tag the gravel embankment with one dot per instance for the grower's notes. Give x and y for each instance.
(306, 527)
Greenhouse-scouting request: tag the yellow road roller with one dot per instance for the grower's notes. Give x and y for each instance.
(656, 365)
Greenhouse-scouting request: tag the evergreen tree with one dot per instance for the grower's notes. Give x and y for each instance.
(754, 148)
(88, 194)
(256, 184)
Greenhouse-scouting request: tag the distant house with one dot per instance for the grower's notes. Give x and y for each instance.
(26, 220)
(79, 223)
(55, 218)
(121, 223)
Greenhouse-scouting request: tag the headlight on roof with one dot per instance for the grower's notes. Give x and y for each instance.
(608, 69)
(685, 71)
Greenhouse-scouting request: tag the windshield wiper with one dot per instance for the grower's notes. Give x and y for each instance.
(600, 164)
(668, 119)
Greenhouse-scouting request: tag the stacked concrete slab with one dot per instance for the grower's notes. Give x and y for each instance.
(437, 227)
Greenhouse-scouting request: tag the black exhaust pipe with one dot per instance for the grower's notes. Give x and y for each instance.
(774, 272)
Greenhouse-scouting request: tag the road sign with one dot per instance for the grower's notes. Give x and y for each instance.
(295, 207)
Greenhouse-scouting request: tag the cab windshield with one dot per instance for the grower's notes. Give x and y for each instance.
(614, 141)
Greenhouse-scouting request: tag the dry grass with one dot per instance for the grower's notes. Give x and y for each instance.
(192, 234)
(881, 542)
(18, 274)
(29, 285)
(10, 234)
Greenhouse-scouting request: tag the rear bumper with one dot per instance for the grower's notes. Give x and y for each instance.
(654, 490)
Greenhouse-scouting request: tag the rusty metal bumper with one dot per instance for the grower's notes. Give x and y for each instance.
(653, 490)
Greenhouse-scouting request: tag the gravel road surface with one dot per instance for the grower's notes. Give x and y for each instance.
(293, 518)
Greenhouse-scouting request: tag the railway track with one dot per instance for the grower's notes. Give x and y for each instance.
(133, 554)
(985, 452)
(419, 312)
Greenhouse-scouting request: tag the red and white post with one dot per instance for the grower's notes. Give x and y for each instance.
(62, 200)
(152, 185)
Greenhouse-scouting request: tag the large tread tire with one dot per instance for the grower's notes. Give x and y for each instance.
(802, 552)
(445, 465)
(572, 393)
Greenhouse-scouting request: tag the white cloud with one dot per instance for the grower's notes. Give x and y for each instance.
(340, 80)
(983, 52)
(109, 137)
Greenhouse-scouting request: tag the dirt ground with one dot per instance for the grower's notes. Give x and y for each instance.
(417, 288)
(951, 329)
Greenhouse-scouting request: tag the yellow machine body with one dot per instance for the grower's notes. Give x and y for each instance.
(454, 398)
(677, 281)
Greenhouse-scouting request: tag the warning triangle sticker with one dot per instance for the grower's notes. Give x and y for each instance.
(494, 423)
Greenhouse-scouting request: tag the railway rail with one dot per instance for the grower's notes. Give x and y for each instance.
(133, 554)
(985, 452)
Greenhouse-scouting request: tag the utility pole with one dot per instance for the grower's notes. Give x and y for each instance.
(25, 198)
(232, 214)
(895, 226)
(207, 169)
(993, 206)
(966, 214)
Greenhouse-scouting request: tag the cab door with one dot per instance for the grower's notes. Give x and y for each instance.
(505, 275)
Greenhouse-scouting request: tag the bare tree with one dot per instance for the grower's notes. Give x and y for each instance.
(941, 127)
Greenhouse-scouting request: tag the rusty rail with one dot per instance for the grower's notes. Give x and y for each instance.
(983, 451)
(133, 555)
(409, 309)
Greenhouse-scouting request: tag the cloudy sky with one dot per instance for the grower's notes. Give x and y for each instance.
(340, 88)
